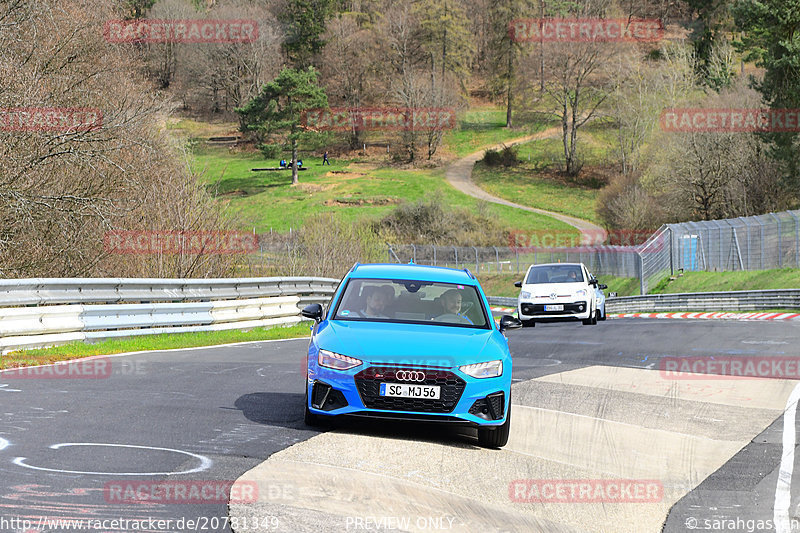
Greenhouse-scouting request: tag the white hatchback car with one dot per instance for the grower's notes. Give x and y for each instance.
(557, 291)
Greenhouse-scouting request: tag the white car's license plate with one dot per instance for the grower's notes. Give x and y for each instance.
(404, 390)
(554, 307)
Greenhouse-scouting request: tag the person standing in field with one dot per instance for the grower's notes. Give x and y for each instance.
(325, 159)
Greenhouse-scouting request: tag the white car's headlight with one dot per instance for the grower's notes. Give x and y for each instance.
(492, 369)
(524, 294)
(337, 361)
(581, 292)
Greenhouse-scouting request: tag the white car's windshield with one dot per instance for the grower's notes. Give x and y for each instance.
(386, 300)
(555, 274)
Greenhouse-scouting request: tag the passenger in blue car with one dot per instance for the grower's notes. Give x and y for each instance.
(378, 299)
(451, 307)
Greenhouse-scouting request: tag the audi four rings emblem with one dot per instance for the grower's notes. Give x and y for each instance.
(409, 375)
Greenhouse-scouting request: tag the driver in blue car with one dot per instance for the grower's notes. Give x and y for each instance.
(451, 305)
(378, 299)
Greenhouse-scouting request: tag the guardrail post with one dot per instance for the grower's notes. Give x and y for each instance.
(497, 258)
(640, 266)
(749, 251)
(434, 255)
(516, 253)
(671, 266)
(455, 251)
(780, 242)
(477, 264)
(761, 241)
(796, 239)
(414, 253)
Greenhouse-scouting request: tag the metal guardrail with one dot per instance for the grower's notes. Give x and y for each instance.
(698, 301)
(51, 311)
(707, 301)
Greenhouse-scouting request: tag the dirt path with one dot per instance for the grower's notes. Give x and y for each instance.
(459, 175)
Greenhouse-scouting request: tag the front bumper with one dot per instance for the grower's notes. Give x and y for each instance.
(576, 310)
(463, 399)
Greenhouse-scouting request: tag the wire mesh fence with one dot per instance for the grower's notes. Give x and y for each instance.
(745, 243)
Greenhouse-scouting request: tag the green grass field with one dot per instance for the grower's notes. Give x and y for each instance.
(783, 278)
(148, 342)
(521, 185)
(535, 182)
(481, 128)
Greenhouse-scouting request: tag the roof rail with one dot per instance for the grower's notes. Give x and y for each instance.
(355, 266)
(469, 273)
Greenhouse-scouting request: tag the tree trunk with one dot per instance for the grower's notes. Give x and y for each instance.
(294, 162)
(509, 80)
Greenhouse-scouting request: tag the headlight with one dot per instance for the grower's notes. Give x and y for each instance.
(337, 361)
(581, 292)
(492, 369)
(524, 294)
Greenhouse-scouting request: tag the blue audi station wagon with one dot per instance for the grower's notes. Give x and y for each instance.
(410, 342)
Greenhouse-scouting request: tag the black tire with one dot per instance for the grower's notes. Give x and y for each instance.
(597, 316)
(528, 323)
(496, 438)
(587, 322)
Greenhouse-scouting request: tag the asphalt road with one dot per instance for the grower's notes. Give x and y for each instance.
(215, 413)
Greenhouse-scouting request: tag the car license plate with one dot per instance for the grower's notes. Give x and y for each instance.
(404, 390)
(554, 307)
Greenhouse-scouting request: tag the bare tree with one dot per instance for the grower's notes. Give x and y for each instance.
(62, 188)
(642, 90)
(350, 67)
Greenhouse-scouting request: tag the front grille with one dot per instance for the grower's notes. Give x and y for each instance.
(538, 309)
(369, 380)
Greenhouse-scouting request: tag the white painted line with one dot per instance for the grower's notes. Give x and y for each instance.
(4, 389)
(783, 493)
(3, 443)
(205, 462)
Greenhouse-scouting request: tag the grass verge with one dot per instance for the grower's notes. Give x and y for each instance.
(782, 278)
(78, 350)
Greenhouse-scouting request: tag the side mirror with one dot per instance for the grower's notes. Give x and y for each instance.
(593, 282)
(313, 311)
(509, 322)
(602, 286)
(518, 284)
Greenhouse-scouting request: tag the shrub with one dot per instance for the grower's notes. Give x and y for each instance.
(506, 157)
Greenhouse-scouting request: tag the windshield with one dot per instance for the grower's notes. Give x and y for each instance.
(555, 274)
(411, 301)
